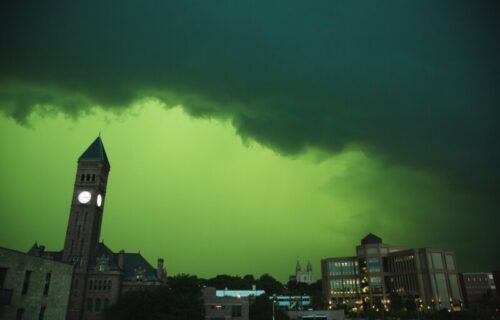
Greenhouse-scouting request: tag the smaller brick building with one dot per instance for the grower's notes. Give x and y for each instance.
(33, 287)
(226, 307)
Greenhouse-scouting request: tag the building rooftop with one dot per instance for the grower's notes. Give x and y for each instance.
(371, 239)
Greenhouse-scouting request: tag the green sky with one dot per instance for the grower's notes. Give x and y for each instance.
(191, 191)
(298, 127)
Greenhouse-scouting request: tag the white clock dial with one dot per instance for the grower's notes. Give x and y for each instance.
(99, 200)
(84, 197)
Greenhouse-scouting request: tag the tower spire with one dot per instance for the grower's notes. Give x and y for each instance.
(95, 151)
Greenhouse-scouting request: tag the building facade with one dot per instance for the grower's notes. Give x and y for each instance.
(219, 307)
(426, 278)
(478, 288)
(301, 275)
(33, 287)
(316, 315)
(100, 275)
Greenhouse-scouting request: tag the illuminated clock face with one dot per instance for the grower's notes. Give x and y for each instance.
(84, 197)
(99, 200)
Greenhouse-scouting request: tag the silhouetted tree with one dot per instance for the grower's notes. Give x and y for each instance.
(262, 309)
(315, 290)
(181, 300)
(269, 284)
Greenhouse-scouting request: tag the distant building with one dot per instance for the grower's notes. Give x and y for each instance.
(477, 288)
(426, 277)
(303, 276)
(33, 287)
(316, 315)
(224, 307)
(284, 302)
(100, 275)
(239, 293)
(496, 280)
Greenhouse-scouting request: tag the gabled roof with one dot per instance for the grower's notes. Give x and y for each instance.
(95, 152)
(371, 239)
(133, 261)
(103, 251)
(39, 251)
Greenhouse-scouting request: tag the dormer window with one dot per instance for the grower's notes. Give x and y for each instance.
(102, 263)
(140, 274)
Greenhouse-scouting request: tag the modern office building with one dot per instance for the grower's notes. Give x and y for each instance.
(224, 307)
(380, 272)
(33, 287)
(496, 280)
(478, 288)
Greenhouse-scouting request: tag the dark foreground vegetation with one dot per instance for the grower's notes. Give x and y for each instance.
(182, 299)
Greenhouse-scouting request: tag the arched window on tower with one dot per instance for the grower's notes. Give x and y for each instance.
(93, 177)
(90, 285)
(109, 285)
(88, 177)
(82, 177)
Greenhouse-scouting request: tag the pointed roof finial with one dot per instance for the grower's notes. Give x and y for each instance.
(309, 266)
(95, 151)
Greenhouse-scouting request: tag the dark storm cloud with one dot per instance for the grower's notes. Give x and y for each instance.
(415, 82)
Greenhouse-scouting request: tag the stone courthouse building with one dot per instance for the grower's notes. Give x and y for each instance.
(33, 287)
(100, 275)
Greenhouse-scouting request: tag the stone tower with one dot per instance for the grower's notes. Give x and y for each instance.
(304, 276)
(85, 218)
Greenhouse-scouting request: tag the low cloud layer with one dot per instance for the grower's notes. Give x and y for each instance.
(416, 83)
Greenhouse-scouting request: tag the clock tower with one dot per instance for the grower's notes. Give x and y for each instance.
(87, 203)
(85, 218)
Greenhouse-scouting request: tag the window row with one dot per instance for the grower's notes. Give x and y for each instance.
(41, 313)
(337, 268)
(26, 282)
(87, 177)
(104, 285)
(97, 305)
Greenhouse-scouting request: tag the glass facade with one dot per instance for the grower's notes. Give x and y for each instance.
(342, 268)
(450, 262)
(376, 284)
(345, 285)
(437, 260)
(373, 264)
(455, 291)
(442, 289)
